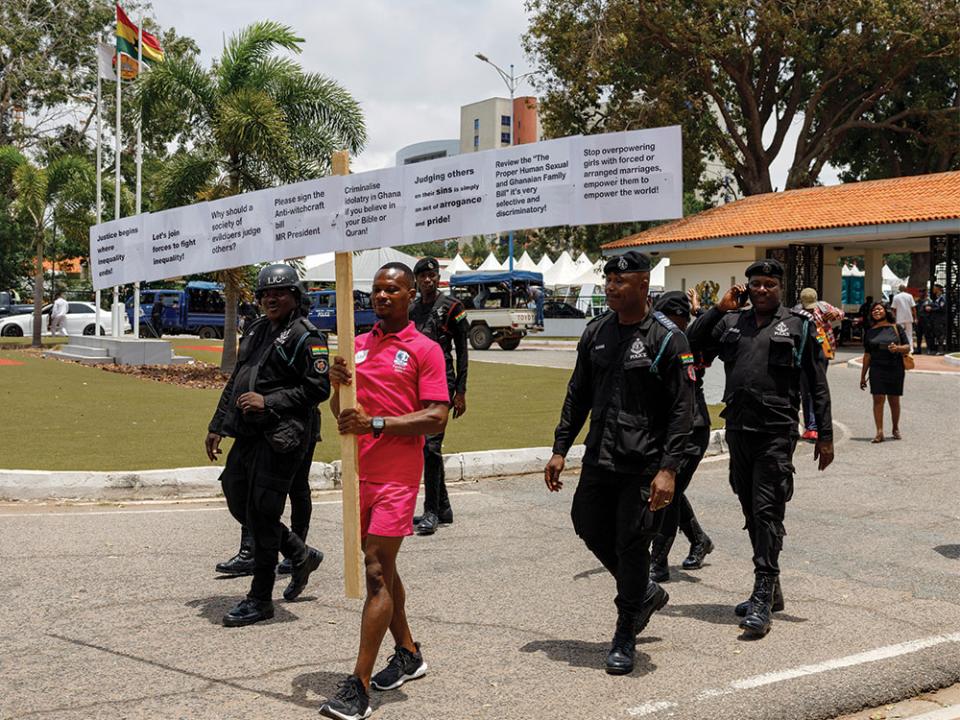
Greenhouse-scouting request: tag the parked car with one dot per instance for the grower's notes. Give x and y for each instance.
(560, 309)
(81, 320)
(9, 307)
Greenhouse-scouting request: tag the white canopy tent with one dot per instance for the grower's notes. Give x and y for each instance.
(365, 266)
(583, 262)
(890, 280)
(457, 265)
(658, 276)
(490, 264)
(544, 264)
(525, 263)
(852, 271)
(562, 273)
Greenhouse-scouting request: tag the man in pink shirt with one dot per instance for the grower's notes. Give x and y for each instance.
(402, 395)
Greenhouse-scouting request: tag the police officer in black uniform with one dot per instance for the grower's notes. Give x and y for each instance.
(269, 405)
(632, 378)
(765, 350)
(443, 319)
(679, 514)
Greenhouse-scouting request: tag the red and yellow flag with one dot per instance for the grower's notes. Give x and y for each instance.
(128, 37)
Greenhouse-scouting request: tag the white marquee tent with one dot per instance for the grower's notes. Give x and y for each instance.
(457, 265)
(562, 273)
(525, 263)
(365, 266)
(490, 264)
(544, 264)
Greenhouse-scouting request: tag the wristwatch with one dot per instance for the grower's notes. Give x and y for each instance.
(378, 424)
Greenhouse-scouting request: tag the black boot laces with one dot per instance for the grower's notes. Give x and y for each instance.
(347, 691)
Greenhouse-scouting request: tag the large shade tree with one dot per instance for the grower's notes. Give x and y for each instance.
(258, 120)
(751, 69)
(55, 198)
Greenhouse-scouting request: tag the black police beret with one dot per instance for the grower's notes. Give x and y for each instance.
(427, 264)
(631, 261)
(768, 267)
(673, 303)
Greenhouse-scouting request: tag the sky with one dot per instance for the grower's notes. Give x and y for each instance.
(410, 63)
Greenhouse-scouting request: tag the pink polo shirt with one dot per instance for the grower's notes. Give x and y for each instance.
(396, 374)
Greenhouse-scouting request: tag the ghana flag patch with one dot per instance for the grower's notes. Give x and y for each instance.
(318, 349)
(686, 358)
(460, 315)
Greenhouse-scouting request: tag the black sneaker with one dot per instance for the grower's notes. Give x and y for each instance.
(351, 701)
(403, 665)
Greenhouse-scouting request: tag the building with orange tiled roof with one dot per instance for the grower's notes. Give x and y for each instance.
(809, 230)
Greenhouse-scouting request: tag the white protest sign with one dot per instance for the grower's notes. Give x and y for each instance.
(446, 198)
(628, 176)
(241, 231)
(174, 241)
(371, 210)
(116, 252)
(532, 184)
(304, 216)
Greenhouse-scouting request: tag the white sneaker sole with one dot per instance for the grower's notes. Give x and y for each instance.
(329, 712)
(418, 673)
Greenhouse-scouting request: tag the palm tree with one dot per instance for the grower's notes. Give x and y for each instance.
(256, 120)
(57, 196)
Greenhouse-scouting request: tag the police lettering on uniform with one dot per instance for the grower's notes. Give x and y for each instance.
(634, 379)
(269, 407)
(443, 319)
(765, 349)
(679, 514)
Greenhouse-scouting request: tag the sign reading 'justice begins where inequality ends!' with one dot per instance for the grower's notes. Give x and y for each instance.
(582, 180)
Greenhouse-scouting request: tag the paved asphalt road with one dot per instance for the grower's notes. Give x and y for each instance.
(115, 612)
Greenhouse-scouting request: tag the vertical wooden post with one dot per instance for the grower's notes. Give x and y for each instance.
(352, 553)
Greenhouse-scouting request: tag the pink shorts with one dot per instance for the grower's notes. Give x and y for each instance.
(386, 509)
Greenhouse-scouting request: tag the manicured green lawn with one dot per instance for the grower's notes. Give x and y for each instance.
(64, 416)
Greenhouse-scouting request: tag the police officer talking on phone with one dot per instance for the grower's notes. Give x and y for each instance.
(269, 407)
(634, 378)
(765, 349)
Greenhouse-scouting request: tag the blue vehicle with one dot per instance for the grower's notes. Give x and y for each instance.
(323, 311)
(198, 309)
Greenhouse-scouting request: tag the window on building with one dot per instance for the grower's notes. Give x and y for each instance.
(505, 138)
(505, 120)
(476, 124)
(476, 141)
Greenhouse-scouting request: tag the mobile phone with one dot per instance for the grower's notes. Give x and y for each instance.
(743, 297)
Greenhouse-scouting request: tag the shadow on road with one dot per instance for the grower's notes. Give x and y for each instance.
(587, 573)
(311, 690)
(214, 608)
(951, 552)
(591, 655)
(716, 613)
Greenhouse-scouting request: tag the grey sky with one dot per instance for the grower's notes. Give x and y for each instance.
(410, 63)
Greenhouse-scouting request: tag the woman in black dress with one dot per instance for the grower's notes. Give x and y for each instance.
(884, 345)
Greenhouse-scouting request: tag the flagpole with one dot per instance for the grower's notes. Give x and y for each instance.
(97, 298)
(115, 321)
(136, 285)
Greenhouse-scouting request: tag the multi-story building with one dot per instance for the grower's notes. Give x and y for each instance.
(429, 150)
(495, 123)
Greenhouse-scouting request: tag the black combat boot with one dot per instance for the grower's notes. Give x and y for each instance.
(624, 646)
(743, 608)
(757, 621)
(653, 599)
(659, 552)
(700, 546)
(301, 573)
(248, 611)
(242, 562)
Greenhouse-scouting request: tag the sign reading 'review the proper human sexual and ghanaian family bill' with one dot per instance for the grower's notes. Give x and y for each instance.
(582, 180)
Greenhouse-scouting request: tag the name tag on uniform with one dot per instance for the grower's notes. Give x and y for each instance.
(360, 356)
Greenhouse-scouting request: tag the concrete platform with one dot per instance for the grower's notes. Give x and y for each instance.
(96, 350)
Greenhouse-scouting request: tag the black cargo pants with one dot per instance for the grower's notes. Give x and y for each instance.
(256, 481)
(761, 474)
(611, 514)
(435, 498)
(679, 513)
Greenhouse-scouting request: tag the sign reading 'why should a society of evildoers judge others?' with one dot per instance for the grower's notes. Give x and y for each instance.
(583, 180)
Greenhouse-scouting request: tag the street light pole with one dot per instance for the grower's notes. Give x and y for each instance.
(511, 82)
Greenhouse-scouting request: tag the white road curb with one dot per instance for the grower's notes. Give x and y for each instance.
(200, 482)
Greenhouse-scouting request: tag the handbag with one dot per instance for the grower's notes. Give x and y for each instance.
(284, 433)
(909, 363)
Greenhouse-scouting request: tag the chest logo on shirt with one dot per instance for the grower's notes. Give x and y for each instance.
(282, 337)
(360, 356)
(638, 350)
(401, 360)
(781, 330)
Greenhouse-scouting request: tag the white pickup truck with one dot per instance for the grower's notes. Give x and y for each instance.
(496, 322)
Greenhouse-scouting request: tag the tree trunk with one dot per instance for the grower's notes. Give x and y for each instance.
(37, 295)
(228, 357)
(919, 269)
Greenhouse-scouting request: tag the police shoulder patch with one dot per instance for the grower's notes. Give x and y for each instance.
(321, 365)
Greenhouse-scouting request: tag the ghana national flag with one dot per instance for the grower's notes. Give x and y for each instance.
(128, 36)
